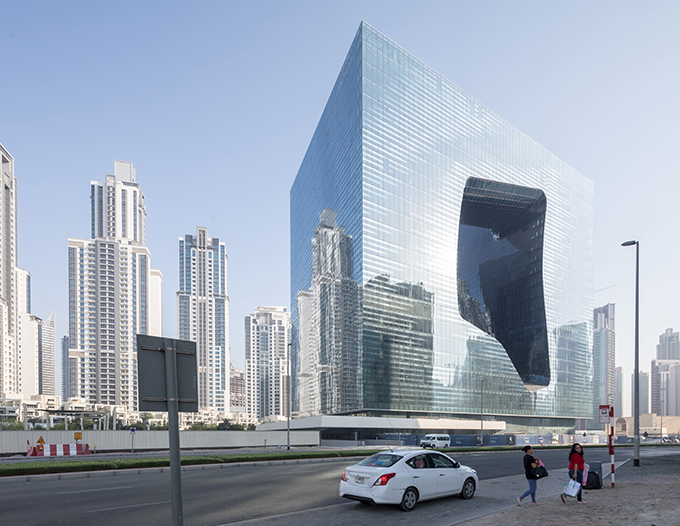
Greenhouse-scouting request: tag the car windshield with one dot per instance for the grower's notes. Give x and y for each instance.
(381, 460)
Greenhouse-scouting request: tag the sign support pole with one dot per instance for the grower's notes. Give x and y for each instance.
(173, 431)
(611, 441)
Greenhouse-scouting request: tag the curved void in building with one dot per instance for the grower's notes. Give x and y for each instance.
(500, 272)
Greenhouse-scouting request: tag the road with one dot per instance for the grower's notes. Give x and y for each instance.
(256, 494)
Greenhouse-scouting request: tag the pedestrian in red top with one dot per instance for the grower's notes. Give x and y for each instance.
(576, 466)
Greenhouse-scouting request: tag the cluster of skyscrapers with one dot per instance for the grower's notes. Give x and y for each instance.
(441, 263)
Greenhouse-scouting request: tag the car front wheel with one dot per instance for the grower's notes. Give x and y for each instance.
(468, 489)
(409, 500)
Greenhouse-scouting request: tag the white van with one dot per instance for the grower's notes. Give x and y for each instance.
(435, 441)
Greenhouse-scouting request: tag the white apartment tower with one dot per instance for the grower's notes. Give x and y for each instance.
(65, 377)
(9, 368)
(19, 329)
(28, 338)
(604, 349)
(203, 314)
(48, 353)
(114, 294)
(267, 363)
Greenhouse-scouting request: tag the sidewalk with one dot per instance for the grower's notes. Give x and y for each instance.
(648, 495)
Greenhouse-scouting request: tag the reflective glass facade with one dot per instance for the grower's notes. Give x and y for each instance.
(458, 257)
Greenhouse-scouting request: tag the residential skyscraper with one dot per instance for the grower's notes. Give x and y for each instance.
(604, 349)
(465, 249)
(644, 393)
(203, 314)
(660, 385)
(9, 359)
(618, 392)
(65, 376)
(27, 338)
(48, 354)
(237, 388)
(114, 294)
(267, 364)
(669, 346)
(674, 390)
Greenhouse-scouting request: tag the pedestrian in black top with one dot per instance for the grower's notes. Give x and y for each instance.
(530, 464)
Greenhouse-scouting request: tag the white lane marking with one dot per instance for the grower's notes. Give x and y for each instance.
(299, 512)
(131, 506)
(90, 490)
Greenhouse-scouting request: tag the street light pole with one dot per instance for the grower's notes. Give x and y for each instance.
(636, 437)
(288, 396)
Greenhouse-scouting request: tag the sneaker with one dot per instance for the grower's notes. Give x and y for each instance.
(563, 499)
(536, 503)
(519, 501)
(581, 501)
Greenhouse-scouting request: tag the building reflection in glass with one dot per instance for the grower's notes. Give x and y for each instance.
(398, 345)
(500, 272)
(329, 376)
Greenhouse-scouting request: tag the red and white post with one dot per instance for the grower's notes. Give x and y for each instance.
(607, 417)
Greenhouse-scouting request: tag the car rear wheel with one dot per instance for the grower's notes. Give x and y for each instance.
(468, 489)
(409, 500)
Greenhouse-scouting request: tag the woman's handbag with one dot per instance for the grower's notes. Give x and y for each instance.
(540, 472)
(572, 488)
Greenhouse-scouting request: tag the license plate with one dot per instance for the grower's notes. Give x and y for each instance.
(359, 480)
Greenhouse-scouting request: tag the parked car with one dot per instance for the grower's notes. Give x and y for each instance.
(435, 441)
(405, 477)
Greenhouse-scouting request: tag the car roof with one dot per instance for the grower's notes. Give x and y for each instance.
(408, 452)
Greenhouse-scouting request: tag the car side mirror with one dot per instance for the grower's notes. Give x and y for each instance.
(456, 464)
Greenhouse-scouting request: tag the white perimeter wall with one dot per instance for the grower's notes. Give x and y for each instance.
(13, 442)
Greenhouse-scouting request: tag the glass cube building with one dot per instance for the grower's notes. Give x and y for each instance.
(441, 259)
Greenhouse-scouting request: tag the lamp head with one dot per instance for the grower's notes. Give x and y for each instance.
(628, 243)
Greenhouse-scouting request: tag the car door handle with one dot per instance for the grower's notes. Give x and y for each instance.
(416, 476)
(442, 474)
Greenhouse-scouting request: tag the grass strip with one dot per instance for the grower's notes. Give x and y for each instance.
(72, 466)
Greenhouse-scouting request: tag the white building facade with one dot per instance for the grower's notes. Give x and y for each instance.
(267, 363)
(604, 355)
(114, 294)
(203, 314)
(9, 360)
(48, 353)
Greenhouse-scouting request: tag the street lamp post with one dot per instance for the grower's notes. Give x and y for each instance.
(636, 437)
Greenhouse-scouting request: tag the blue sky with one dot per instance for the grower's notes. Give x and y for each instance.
(215, 104)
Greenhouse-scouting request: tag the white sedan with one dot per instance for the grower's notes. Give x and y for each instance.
(405, 477)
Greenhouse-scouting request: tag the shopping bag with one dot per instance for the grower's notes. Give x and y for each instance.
(572, 488)
(585, 471)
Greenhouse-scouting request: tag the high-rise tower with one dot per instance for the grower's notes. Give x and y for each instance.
(203, 314)
(48, 353)
(471, 254)
(9, 359)
(267, 366)
(604, 349)
(114, 294)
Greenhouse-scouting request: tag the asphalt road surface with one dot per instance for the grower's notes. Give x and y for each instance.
(248, 494)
